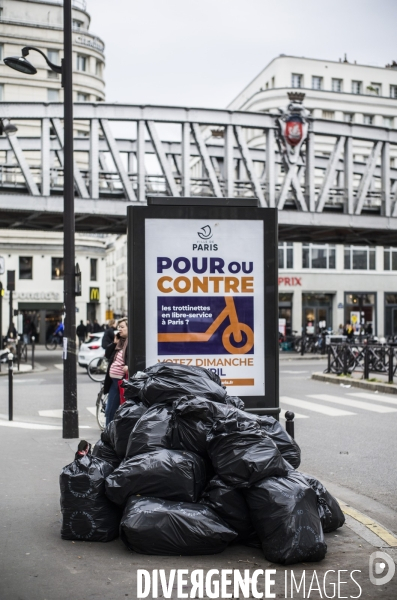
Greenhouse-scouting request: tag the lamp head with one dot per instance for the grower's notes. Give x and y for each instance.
(7, 127)
(19, 63)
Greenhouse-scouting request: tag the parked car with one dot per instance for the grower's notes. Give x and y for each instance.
(92, 348)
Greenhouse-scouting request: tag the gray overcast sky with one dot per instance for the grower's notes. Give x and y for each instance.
(203, 52)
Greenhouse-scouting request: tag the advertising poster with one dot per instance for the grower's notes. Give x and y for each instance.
(204, 298)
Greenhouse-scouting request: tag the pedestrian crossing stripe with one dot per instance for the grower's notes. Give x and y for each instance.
(320, 408)
(375, 397)
(352, 403)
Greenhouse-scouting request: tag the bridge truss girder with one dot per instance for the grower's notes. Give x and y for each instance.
(347, 172)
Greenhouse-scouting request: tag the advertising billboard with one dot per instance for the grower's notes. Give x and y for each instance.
(202, 293)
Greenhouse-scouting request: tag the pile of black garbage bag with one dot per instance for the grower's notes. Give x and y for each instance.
(183, 469)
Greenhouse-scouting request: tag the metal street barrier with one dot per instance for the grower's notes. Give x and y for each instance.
(346, 358)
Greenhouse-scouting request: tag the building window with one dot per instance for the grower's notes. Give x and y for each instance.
(337, 85)
(93, 269)
(393, 91)
(98, 68)
(387, 121)
(390, 258)
(318, 256)
(56, 268)
(273, 82)
(25, 267)
(317, 82)
(296, 80)
(360, 258)
(285, 255)
(77, 24)
(53, 56)
(82, 97)
(356, 87)
(374, 89)
(81, 62)
(53, 95)
(348, 117)
(368, 119)
(328, 114)
(1, 51)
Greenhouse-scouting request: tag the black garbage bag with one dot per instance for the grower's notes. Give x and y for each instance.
(165, 383)
(288, 447)
(229, 503)
(154, 526)
(284, 513)
(330, 512)
(242, 453)
(194, 416)
(107, 434)
(87, 514)
(151, 432)
(169, 474)
(105, 451)
(235, 401)
(132, 387)
(125, 419)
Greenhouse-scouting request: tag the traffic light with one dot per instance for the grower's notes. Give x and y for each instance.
(11, 281)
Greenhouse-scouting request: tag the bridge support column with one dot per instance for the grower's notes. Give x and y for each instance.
(385, 179)
(310, 195)
(270, 169)
(348, 176)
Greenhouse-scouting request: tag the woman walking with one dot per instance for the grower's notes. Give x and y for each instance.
(117, 353)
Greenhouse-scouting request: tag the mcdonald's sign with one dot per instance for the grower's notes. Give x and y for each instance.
(94, 294)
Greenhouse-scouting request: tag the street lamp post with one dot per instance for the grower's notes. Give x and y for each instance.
(70, 420)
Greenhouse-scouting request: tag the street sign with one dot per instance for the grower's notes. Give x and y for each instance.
(200, 278)
(2, 265)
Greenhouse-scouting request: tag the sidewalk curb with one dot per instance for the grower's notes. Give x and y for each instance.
(385, 388)
(38, 369)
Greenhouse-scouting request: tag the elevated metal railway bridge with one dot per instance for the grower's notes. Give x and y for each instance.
(343, 187)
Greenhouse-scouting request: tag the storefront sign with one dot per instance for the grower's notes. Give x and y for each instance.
(205, 301)
(289, 281)
(90, 42)
(94, 294)
(41, 296)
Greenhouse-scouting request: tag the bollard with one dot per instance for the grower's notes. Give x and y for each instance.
(33, 340)
(366, 362)
(329, 359)
(344, 359)
(289, 423)
(18, 351)
(10, 358)
(391, 365)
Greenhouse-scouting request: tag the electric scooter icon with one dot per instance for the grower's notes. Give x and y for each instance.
(233, 332)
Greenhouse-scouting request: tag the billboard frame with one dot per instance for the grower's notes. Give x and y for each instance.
(197, 208)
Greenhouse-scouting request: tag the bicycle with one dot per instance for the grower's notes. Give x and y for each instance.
(101, 402)
(97, 368)
(233, 331)
(53, 342)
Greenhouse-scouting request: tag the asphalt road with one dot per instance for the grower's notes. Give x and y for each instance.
(347, 435)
